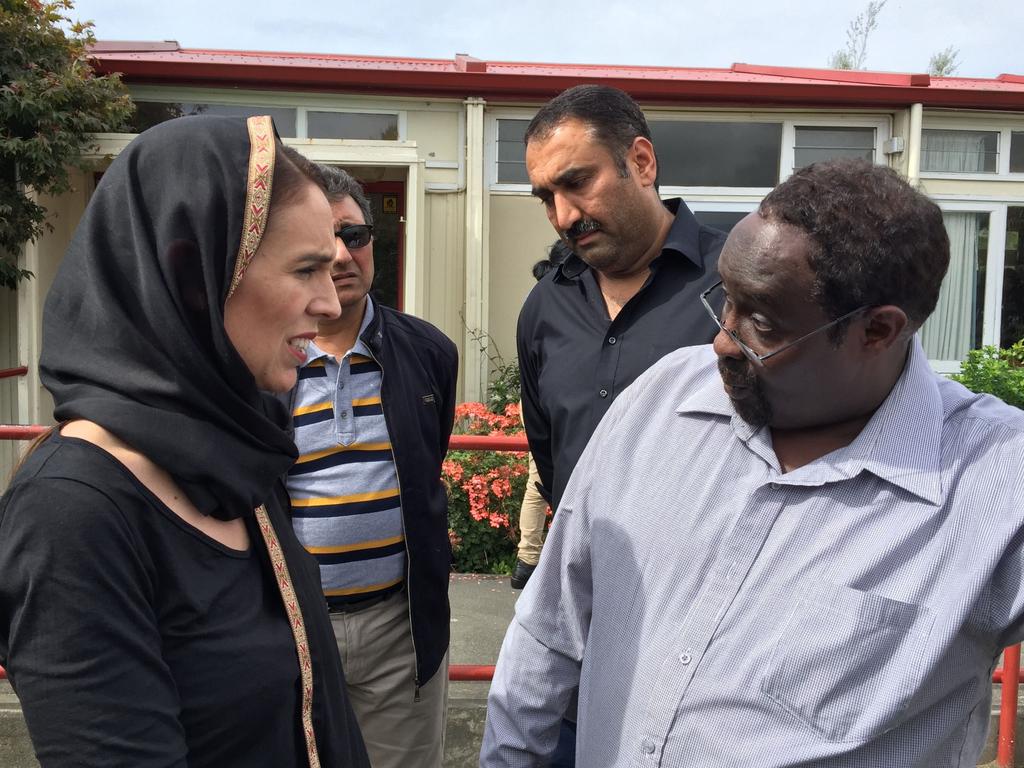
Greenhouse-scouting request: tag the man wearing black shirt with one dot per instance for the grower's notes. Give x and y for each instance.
(629, 293)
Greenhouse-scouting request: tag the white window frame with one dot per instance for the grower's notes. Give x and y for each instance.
(1003, 127)
(992, 307)
(881, 125)
(491, 150)
(302, 121)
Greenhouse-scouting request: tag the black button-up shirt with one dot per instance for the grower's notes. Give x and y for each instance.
(574, 360)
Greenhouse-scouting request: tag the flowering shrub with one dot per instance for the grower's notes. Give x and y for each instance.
(485, 489)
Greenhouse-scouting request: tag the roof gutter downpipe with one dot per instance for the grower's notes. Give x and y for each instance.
(914, 144)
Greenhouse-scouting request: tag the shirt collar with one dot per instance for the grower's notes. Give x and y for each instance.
(683, 238)
(899, 444)
(315, 353)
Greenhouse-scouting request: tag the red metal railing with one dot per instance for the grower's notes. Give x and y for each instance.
(7, 373)
(1010, 672)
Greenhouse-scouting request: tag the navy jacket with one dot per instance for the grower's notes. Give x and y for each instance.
(420, 368)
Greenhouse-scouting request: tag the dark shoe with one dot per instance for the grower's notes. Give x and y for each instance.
(521, 574)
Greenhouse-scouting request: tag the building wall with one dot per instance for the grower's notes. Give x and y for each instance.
(445, 233)
(520, 235)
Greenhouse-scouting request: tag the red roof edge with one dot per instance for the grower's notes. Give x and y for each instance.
(133, 46)
(838, 75)
(1004, 78)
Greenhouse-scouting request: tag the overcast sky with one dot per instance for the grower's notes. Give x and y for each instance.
(681, 33)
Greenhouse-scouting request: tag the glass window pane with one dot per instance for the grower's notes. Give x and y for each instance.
(512, 152)
(150, 113)
(512, 173)
(512, 130)
(815, 145)
(954, 328)
(351, 125)
(1017, 152)
(835, 137)
(1011, 328)
(959, 151)
(699, 154)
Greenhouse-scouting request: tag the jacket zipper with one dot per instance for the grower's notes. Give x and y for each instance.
(405, 538)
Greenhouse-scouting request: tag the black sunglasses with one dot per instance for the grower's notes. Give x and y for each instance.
(355, 235)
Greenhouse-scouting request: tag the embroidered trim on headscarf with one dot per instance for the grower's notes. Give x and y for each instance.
(291, 605)
(257, 193)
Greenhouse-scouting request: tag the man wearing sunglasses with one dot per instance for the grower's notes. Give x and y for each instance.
(796, 547)
(372, 411)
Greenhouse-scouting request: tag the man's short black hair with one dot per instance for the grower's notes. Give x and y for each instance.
(878, 240)
(611, 114)
(339, 184)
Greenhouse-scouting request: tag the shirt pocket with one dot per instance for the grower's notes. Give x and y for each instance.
(848, 662)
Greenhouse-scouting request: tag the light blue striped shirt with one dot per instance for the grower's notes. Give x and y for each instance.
(346, 508)
(717, 612)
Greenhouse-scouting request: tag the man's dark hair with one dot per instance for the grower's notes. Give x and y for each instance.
(612, 115)
(339, 184)
(877, 239)
(557, 253)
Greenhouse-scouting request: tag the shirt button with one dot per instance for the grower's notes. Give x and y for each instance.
(685, 658)
(603, 393)
(776, 486)
(344, 414)
(611, 339)
(648, 746)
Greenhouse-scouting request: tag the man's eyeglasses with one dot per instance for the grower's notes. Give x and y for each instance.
(717, 294)
(355, 235)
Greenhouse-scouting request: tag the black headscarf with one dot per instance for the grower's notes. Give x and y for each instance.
(134, 340)
(133, 329)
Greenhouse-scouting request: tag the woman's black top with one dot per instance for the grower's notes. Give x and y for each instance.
(140, 641)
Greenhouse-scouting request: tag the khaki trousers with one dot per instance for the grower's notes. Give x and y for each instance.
(533, 516)
(377, 655)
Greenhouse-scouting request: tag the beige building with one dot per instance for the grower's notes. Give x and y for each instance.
(438, 145)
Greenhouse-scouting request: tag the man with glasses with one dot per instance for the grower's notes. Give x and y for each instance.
(796, 547)
(372, 411)
(625, 297)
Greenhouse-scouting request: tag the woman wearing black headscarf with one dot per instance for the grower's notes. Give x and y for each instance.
(155, 607)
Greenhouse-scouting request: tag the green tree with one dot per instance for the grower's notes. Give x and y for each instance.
(944, 63)
(51, 101)
(855, 54)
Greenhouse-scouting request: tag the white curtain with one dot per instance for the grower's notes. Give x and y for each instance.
(953, 151)
(949, 333)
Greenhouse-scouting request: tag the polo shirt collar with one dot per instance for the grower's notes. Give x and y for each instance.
(315, 353)
(683, 238)
(900, 443)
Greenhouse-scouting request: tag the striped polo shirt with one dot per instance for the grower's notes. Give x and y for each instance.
(344, 487)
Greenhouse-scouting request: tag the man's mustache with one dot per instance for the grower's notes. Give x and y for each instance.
(581, 228)
(736, 374)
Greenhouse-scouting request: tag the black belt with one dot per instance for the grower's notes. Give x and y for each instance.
(361, 604)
